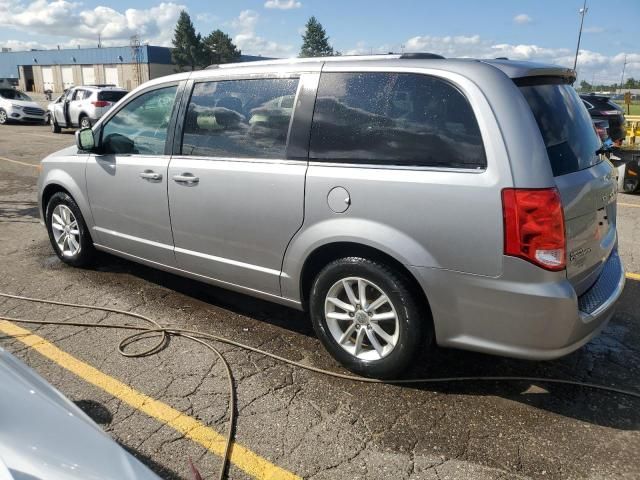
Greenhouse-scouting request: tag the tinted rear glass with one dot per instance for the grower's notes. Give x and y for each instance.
(394, 119)
(565, 126)
(111, 96)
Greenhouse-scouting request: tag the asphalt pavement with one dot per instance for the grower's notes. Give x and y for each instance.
(298, 423)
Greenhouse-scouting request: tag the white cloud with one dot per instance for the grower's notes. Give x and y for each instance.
(594, 30)
(252, 44)
(60, 17)
(522, 19)
(591, 64)
(282, 4)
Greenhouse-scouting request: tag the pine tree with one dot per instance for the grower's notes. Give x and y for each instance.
(187, 45)
(219, 48)
(315, 42)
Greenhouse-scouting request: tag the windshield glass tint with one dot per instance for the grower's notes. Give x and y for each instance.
(565, 126)
(111, 96)
(11, 94)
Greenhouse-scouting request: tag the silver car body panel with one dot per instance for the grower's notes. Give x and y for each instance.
(45, 436)
(258, 221)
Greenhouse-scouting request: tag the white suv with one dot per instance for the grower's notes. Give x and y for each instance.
(16, 106)
(82, 106)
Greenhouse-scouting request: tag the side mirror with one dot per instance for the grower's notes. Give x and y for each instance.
(85, 139)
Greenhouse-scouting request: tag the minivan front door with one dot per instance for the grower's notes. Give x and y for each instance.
(127, 183)
(235, 199)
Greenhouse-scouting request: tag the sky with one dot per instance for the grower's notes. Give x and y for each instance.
(536, 30)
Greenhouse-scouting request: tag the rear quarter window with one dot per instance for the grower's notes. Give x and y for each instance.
(111, 96)
(394, 119)
(565, 125)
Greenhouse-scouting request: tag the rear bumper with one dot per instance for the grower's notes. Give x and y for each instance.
(524, 318)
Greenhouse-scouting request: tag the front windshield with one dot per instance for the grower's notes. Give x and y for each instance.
(11, 94)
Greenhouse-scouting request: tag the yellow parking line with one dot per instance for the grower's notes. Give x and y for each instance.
(20, 163)
(633, 276)
(240, 456)
(629, 205)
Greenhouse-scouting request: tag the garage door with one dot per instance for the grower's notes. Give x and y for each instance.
(47, 78)
(111, 76)
(67, 77)
(88, 76)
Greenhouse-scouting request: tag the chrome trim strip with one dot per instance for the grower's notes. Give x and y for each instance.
(195, 276)
(132, 238)
(228, 261)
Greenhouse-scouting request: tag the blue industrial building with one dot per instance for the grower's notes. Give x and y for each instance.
(57, 70)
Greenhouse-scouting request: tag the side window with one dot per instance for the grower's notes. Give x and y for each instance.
(394, 119)
(141, 125)
(239, 118)
(87, 94)
(78, 95)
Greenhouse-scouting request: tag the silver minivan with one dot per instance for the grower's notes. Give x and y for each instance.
(402, 200)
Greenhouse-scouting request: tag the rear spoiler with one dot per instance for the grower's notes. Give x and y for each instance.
(533, 73)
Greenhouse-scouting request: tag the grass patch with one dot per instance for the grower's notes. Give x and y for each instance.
(634, 108)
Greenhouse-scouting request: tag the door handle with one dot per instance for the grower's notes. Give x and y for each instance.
(150, 175)
(186, 178)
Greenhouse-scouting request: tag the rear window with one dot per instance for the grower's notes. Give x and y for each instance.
(565, 126)
(111, 96)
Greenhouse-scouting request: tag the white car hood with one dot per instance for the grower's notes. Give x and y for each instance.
(23, 103)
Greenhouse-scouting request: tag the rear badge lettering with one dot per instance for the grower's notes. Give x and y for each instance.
(579, 254)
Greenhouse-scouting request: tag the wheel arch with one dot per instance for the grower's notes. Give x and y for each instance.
(60, 181)
(329, 252)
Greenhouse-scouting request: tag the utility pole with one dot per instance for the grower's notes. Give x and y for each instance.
(583, 12)
(624, 66)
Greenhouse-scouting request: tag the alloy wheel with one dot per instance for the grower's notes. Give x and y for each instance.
(361, 318)
(3, 117)
(66, 232)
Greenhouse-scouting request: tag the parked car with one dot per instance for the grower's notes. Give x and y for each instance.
(16, 106)
(602, 107)
(45, 435)
(82, 106)
(403, 199)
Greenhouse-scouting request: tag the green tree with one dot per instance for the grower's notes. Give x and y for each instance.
(585, 86)
(315, 42)
(219, 48)
(187, 45)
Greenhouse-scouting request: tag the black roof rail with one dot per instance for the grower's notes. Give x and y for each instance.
(502, 58)
(421, 56)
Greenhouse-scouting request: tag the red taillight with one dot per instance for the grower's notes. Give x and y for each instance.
(100, 103)
(534, 226)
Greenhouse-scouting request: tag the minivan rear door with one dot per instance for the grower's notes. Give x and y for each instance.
(586, 180)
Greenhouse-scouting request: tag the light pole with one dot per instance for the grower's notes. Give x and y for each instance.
(583, 12)
(624, 66)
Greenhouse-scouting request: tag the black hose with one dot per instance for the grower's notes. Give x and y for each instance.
(200, 337)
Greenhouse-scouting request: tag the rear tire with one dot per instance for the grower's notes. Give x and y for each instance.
(378, 338)
(55, 128)
(630, 185)
(68, 232)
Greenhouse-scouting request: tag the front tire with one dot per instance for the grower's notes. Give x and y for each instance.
(367, 316)
(85, 122)
(3, 117)
(68, 232)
